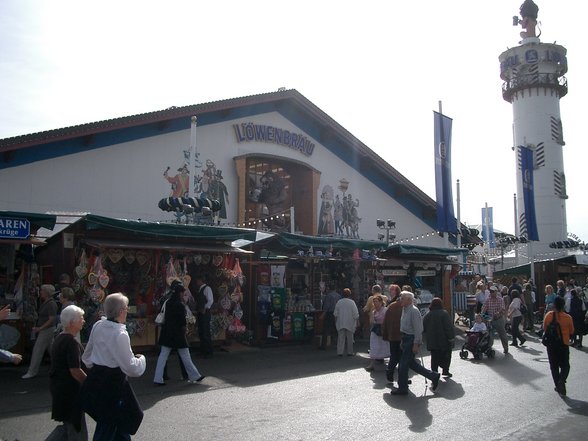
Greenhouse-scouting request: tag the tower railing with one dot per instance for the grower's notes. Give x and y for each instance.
(547, 80)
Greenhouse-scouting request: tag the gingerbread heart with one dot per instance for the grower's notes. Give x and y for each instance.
(205, 259)
(115, 255)
(130, 256)
(217, 260)
(103, 279)
(142, 257)
(197, 259)
(81, 271)
(92, 278)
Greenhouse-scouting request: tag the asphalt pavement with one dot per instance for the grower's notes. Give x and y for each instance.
(296, 392)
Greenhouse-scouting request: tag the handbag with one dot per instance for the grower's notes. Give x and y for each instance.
(377, 329)
(160, 318)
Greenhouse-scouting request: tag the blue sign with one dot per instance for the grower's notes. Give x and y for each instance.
(14, 228)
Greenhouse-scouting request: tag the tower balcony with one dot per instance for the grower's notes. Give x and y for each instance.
(535, 80)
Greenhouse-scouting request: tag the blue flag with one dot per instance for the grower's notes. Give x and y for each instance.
(529, 192)
(445, 218)
(488, 228)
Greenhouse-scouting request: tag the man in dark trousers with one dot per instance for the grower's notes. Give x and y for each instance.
(204, 300)
(391, 330)
(411, 334)
(329, 303)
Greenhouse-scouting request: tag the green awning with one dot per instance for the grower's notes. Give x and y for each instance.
(406, 250)
(297, 241)
(521, 270)
(37, 220)
(210, 233)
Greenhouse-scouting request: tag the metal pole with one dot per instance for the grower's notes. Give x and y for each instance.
(292, 220)
(458, 216)
(516, 225)
(193, 157)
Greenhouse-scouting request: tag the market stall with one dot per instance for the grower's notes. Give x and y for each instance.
(19, 274)
(141, 259)
(291, 273)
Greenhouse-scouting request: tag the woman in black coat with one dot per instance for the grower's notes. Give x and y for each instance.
(440, 335)
(173, 336)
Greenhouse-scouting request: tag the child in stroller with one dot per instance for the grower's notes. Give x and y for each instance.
(478, 340)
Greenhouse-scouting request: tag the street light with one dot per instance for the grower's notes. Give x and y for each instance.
(387, 225)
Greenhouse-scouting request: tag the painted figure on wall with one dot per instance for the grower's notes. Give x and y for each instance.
(339, 213)
(272, 199)
(351, 219)
(326, 222)
(179, 182)
(210, 186)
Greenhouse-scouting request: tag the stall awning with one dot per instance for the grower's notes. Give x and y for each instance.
(173, 247)
(418, 251)
(293, 241)
(37, 220)
(212, 233)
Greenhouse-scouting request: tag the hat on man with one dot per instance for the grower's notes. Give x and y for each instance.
(493, 288)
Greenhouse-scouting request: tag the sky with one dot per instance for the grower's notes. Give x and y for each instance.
(378, 68)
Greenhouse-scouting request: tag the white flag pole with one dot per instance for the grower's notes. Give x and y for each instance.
(193, 157)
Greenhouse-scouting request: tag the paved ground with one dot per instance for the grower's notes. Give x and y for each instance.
(299, 393)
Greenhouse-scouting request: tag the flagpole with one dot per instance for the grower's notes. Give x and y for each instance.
(458, 216)
(193, 156)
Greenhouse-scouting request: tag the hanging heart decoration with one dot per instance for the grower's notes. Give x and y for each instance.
(92, 278)
(115, 255)
(81, 271)
(217, 260)
(103, 279)
(225, 302)
(197, 259)
(130, 256)
(142, 257)
(206, 259)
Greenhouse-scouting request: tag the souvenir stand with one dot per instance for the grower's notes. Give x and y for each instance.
(19, 274)
(428, 270)
(291, 274)
(141, 259)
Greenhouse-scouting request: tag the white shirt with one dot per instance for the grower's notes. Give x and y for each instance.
(209, 297)
(110, 346)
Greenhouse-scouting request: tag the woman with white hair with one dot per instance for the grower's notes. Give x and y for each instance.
(66, 377)
(106, 394)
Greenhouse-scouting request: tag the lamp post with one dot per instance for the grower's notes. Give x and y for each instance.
(386, 225)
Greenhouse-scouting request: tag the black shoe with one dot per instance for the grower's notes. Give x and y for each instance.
(561, 388)
(158, 384)
(435, 382)
(515, 345)
(447, 375)
(523, 341)
(369, 368)
(398, 392)
(390, 376)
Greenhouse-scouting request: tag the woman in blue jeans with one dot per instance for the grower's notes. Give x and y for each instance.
(515, 316)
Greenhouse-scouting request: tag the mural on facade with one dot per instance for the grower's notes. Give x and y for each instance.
(207, 185)
(270, 194)
(338, 215)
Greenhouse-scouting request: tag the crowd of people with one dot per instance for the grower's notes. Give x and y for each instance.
(397, 327)
(94, 380)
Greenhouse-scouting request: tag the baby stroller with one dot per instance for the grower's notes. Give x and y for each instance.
(478, 343)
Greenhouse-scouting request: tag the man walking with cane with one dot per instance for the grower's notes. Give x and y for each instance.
(411, 332)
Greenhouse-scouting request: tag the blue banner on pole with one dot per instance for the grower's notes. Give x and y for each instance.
(488, 227)
(445, 218)
(527, 167)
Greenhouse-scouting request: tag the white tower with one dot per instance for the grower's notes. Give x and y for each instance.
(533, 84)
